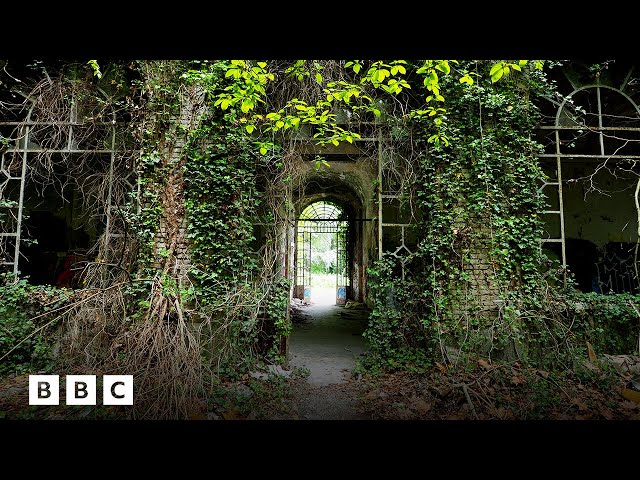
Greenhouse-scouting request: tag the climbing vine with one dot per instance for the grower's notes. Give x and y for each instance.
(480, 225)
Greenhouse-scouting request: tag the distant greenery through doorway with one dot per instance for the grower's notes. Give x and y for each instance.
(321, 260)
(324, 256)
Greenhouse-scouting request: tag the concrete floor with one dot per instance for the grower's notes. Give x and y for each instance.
(328, 340)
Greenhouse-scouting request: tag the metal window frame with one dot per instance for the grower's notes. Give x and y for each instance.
(321, 217)
(25, 151)
(564, 157)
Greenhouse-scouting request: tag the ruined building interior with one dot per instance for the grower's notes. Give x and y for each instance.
(590, 152)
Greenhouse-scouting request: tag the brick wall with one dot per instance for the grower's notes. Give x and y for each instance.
(183, 258)
(482, 288)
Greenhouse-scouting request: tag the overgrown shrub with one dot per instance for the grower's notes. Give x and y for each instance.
(25, 327)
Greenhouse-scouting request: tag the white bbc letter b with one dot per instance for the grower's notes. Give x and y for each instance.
(44, 389)
(117, 390)
(81, 389)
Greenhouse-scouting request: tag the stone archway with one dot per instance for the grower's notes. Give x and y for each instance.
(358, 234)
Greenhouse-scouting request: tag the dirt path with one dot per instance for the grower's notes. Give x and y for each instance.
(327, 402)
(327, 340)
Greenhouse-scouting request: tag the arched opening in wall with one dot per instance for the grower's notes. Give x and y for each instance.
(322, 254)
(592, 178)
(66, 169)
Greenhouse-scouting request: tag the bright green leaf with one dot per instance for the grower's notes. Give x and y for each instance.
(96, 68)
(443, 67)
(494, 70)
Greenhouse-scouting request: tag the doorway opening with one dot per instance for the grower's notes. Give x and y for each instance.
(322, 275)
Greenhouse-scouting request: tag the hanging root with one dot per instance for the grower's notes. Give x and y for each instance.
(162, 353)
(164, 358)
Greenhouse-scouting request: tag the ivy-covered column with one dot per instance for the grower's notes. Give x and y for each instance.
(483, 214)
(175, 109)
(476, 275)
(162, 345)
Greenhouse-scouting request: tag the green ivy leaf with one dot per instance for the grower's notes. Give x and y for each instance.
(96, 68)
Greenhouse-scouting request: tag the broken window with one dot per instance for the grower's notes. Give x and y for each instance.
(590, 161)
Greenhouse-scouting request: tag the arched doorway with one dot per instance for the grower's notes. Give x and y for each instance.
(322, 266)
(335, 202)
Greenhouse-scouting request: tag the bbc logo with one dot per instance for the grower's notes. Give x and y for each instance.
(81, 390)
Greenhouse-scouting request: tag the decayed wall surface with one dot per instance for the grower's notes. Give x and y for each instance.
(171, 236)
